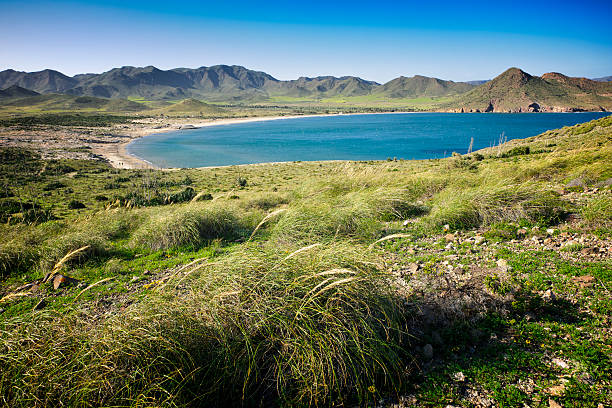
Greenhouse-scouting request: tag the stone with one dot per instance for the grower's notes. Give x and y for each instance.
(550, 231)
(556, 390)
(459, 376)
(585, 281)
(502, 264)
(560, 363)
(479, 239)
(428, 351)
(521, 232)
(449, 237)
(549, 296)
(60, 280)
(553, 404)
(413, 267)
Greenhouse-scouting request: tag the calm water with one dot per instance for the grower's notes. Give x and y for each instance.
(347, 137)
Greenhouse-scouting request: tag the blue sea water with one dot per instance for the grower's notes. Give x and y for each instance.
(345, 137)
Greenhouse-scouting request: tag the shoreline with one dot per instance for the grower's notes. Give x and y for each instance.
(119, 158)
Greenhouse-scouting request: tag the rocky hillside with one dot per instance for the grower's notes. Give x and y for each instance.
(16, 92)
(517, 91)
(422, 86)
(220, 83)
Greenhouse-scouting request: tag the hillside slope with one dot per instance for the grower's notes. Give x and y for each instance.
(517, 91)
(421, 86)
(68, 103)
(16, 91)
(190, 107)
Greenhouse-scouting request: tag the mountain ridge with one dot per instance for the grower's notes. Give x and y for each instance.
(514, 90)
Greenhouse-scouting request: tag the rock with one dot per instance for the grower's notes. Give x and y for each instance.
(585, 281)
(553, 404)
(459, 376)
(550, 231)
(502, 264)
(560, 363)
(556, 390)
(479, 239)
(428, 351)
(413, 267)
(549, 296)
(577, 182)
(521, 232)
(449, 237)
(60, 280)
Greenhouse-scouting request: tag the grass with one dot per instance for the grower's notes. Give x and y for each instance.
(311, 283)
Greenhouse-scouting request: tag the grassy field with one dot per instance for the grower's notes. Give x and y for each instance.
(476, 280)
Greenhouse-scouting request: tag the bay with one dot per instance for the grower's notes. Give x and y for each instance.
(345, 137)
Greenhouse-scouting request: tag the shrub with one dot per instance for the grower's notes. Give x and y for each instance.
(75, 205)
(53, 186)
(517, 151)
(241, 181)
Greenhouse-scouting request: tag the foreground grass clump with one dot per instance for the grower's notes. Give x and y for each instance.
(309, 327)
(192, 225)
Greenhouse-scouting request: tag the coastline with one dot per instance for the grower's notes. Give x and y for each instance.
(118, 156)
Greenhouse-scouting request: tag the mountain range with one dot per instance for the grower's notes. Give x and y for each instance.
(221, 83)
(512, 91)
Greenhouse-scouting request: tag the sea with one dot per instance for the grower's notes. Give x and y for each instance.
(408, 136)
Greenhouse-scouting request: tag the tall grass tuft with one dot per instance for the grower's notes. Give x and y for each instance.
(322, 327)
(471, 207)
(191, 224)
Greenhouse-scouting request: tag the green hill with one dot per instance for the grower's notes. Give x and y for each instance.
(421, 86)
(68, 103)
(517, 91)
(16, 91)
(190, 107)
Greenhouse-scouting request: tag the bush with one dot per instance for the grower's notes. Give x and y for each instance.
(53, 186)
(517, 151)
(75, 205)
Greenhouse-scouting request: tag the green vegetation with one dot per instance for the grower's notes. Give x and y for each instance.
(429, 283)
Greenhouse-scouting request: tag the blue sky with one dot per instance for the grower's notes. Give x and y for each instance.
(374, 40)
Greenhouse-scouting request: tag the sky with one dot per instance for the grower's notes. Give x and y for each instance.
(375, 40)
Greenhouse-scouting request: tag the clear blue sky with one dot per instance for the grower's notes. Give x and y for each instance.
(377, 40)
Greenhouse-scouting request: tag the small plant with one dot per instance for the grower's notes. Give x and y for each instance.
(241, 181)
(496, 285)
(75, 205)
